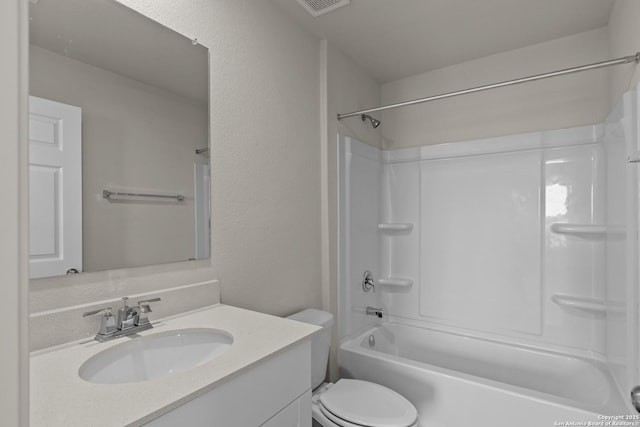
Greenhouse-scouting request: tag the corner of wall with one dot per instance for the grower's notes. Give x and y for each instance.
(350, 88)
(624, 39)
(344, 87)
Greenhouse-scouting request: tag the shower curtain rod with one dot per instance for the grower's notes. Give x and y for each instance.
(624, 60)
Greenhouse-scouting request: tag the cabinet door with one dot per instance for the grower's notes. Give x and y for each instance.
(297, 414)
(253, 397)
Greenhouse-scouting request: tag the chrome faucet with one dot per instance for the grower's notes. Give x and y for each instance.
(372, 311)
(126, 316)
(129, 320)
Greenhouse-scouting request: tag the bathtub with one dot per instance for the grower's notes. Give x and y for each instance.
(457, 380)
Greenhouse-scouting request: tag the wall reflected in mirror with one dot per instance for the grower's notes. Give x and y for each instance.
(118, 103)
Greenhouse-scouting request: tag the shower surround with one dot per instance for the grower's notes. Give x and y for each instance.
(497, 262)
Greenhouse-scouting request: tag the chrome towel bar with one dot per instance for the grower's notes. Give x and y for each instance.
(109, 195)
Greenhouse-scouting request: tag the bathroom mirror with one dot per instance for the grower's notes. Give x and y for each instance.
(118, 140)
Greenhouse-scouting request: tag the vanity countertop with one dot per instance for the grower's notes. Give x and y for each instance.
(59, 397)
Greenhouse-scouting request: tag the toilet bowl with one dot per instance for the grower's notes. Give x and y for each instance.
(349, 402)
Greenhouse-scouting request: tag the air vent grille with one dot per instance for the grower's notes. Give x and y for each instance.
(319, 7)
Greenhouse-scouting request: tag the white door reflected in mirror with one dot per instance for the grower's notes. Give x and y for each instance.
(55, 188)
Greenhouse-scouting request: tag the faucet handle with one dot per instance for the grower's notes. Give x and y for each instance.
(146, 301)
(106, 310)
(143, 309)
(107, 322)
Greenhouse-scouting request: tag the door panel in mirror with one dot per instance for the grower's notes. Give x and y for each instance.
(55, 188)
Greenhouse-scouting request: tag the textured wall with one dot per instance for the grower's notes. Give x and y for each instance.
(561, 102)
(349, 88)
(265, 149)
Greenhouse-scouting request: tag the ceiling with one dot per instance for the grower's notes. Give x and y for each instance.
(392, 39)
(108, 35)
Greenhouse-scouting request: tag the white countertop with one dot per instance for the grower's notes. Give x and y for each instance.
(59, 397)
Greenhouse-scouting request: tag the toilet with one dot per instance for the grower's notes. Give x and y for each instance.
(349, 403)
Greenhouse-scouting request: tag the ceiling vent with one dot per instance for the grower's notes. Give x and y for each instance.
(320, 7)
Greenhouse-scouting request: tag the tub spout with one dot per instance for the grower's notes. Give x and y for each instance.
(372, 311)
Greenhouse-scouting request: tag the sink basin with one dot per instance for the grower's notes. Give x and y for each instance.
(154, 356)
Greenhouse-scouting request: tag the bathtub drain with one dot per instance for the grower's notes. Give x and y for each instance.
(372, 341)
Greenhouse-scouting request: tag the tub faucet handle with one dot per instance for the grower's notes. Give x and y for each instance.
(368, 282)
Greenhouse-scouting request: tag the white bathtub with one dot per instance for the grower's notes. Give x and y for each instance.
(455, 380)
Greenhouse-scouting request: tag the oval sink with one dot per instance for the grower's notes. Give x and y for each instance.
(153, 356)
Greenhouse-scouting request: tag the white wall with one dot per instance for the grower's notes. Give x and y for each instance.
(561, 102)
(14, 362)
(344, 86)
(624, 39)
(265, 149)
(135, 137)
(350, 88)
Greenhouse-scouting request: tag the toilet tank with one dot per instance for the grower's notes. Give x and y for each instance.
(320, 341)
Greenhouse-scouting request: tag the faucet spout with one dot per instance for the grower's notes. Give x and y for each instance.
(372, 311)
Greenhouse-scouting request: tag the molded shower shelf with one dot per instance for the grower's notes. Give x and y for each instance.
(397, 282)
(395, 226)
(586, 229)
(587, 304)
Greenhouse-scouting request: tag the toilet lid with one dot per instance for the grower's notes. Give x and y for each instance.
(368, 404)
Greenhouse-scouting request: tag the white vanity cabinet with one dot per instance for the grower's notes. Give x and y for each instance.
(275, 392)
(262, 379)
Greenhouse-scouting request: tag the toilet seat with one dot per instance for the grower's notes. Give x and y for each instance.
(338, 422)
(356, 403)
